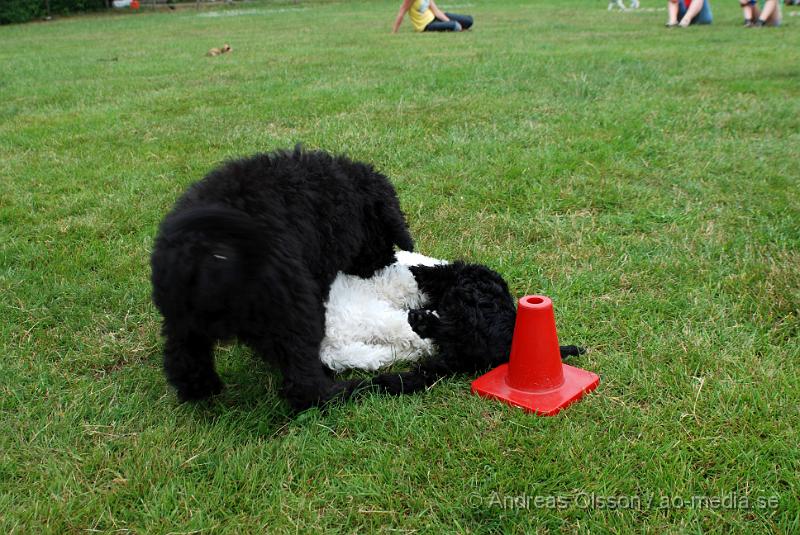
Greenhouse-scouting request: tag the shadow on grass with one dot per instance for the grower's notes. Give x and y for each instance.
(251, 402)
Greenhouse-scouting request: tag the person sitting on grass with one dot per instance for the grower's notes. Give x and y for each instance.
(682, 13)
(621, 6)
(427, 17)
(770, 14)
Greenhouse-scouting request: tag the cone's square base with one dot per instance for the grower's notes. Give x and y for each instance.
(577, 382)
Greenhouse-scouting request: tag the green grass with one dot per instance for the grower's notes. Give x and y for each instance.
(646, 179)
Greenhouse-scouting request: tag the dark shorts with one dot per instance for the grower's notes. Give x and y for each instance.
(703, 17)
(449, 26)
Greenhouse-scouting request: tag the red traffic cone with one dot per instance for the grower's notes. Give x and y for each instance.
(535, 379)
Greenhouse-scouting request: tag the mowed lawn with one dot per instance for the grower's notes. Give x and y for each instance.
(645, 179)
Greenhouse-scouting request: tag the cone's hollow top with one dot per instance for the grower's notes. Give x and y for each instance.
(535, 302)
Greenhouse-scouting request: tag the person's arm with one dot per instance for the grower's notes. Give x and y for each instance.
(438, 12)
(692, 12)
(400, 14)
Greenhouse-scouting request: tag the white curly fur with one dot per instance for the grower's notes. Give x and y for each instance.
(366, 320)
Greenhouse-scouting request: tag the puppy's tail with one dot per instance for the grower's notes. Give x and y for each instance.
(211, 249)
(220, 222)
(571, 351)
(402, 237)
(395, 226)
(393, 219)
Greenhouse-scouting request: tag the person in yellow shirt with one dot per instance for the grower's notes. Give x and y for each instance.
(427, 17)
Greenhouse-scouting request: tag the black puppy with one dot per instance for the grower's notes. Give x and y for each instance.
(470, 316)
(250, 252)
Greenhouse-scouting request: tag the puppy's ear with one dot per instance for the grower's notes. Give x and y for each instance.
(435, 280)
(402, 237)
(394, 224)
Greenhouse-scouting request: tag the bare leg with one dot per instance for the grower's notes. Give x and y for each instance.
(770, 14)
(672, 11)
(749, 11)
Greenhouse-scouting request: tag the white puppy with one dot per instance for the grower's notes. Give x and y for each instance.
(366, 320)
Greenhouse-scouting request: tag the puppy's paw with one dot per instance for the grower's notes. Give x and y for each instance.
(423, 322)
(571, 351)
(199, 389)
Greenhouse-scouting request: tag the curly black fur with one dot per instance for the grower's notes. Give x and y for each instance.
(250, 252)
